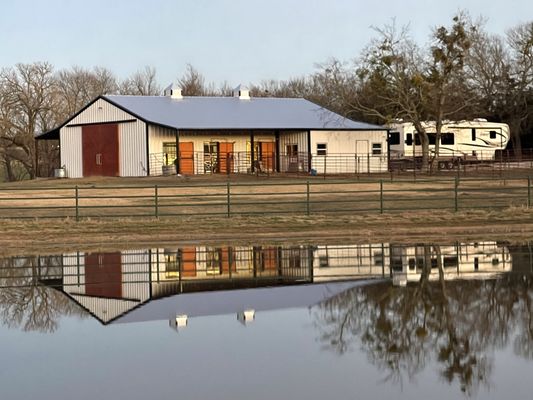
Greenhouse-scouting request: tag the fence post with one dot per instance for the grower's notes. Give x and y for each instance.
(228, 197)
(528, 192)
(456, 187)
(308, 209)
(156, 201)
(77, 204)
(381, 196)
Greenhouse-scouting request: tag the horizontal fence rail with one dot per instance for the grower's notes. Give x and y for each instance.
(228, 199)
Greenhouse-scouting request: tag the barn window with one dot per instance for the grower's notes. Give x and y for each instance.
(447, 138)
(169, 152)
(292, 150)
(493, 134)
(394, 138)
(323, 261)
(376, 149)
(321, 149)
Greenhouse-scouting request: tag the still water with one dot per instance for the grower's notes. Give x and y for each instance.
(293, 321)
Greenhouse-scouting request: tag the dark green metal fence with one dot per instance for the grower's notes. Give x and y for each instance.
(261, 198)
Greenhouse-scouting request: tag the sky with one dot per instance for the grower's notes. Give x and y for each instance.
(237, 41)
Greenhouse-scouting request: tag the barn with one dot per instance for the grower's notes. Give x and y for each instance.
(132, 136)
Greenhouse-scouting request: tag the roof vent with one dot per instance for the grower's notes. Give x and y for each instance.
(242, 92)
(173, 91)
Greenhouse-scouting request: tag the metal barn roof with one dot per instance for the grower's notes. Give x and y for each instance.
(235, 113)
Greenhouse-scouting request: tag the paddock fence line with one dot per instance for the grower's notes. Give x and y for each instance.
(298, 197)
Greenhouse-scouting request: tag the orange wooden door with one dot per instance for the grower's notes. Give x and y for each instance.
(186, 155)
(225, 158)
(267, 155)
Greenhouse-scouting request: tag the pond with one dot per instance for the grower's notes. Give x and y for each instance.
(340, 321)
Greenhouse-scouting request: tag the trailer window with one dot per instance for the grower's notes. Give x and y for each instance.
(432, 137)
(394, 138)
(376, 149)
(321, 149)
(417, 140)
(473, 134)
(409, 139)
(493, 134)
(447, 138)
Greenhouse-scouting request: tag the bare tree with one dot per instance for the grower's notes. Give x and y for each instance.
(192, 82)
(28, 99)
(141, 83)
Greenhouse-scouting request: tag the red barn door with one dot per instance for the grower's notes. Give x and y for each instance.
(100, 150)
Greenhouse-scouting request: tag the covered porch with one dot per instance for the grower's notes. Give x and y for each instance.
(191, 152)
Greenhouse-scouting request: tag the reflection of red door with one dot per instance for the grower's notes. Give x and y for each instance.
(100, 150)
(225, 157)
(103, 275)
(186, 155)
(267, 155)
(188, 261)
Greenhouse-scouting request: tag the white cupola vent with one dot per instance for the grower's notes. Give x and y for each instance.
(242, 92)
(173, 91)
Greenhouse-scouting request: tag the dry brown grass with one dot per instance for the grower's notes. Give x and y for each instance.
(128, 197)
(38, 236)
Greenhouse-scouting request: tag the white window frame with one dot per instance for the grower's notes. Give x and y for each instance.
(322, 152)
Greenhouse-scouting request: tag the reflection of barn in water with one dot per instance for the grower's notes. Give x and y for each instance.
(473, 260)
(344, 262)
(109, 285)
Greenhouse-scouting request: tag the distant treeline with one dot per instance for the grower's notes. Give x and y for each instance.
(463, 72)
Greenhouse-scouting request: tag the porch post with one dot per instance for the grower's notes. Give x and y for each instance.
(277, 151)
(308, 151)
(252, 155)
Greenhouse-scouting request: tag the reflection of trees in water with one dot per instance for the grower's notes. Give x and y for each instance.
(456, 323)
(26, 303)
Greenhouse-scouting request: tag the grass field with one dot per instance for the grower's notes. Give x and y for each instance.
(245, 195)
(262, 211)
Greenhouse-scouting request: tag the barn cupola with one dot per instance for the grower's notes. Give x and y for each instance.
(241, 92)
(173, 91)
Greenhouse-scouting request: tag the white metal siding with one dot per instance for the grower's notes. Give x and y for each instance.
(132, 140)
(100, 111)
(132, 149)
(71, 152)
(342, 154)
